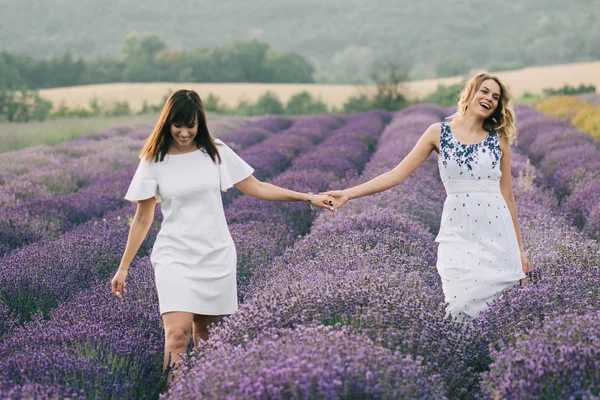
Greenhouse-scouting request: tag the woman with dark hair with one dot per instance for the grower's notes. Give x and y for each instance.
(480, 251)
(194, 257)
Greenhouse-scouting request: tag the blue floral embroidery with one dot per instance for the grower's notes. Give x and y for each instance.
(468, 154)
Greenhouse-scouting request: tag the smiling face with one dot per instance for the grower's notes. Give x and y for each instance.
(183, 134)
(486, 99)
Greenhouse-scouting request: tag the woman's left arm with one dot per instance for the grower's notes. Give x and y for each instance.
(507, 192)
(266, 191)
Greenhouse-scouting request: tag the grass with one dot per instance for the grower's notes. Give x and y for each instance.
(528, 99)
(16, 136)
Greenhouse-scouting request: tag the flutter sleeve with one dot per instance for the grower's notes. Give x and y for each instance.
(232, 168)
(143, 185)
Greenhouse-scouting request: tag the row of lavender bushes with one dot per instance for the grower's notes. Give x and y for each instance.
(372, 275)
(395, 243)
(47, 216)
(545, 337)
(570, 162)
(113, 349)
(90, 251)
(368, 270)
(43, 171)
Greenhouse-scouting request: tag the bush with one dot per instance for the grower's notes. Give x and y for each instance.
(302, 103)
(213, 103)
(561, 107)
(560, 361)
(588, 119)
(63, 112)
(583, 115)
(23, 106)
(267, 104)
(356, 104)
(568, 90)
(120, 108)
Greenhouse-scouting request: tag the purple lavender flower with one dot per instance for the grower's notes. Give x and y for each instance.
(92, 345)
(561, 360)
(308, 362)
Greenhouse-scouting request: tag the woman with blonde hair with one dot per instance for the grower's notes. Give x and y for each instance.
(480, 251)
(194, 257)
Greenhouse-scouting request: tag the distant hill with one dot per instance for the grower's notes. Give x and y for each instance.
(433, 37)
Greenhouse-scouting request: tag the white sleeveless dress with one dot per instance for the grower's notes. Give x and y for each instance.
(194, 257)
(478, 253)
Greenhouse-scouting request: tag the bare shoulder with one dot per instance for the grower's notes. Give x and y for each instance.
(504, 143)
(432, 136)
(433, 132)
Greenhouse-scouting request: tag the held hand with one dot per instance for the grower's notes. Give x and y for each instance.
(118, 284)
(339, 196)
(321, 200)
(526, 266)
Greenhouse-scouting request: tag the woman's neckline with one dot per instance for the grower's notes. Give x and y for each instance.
(467, 144)
(182, 154)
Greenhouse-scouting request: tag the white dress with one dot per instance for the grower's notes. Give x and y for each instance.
(478, 253)
(194, 257)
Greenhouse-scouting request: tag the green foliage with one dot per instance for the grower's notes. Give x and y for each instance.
(103, 70)
(568, 90)
(23, 106)
(120, 108)
(212, 103)
(357, 104)
(245, 108)
(303, 103)
(289, 67)
(139, 56)
(95, 107)
(268, 104)
(446, 96)
(144, 58)
(41, 108)
(10, 77)
(390, 102)
(388, 75)
(64, 112)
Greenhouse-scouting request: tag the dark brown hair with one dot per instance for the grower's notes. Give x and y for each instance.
(181, 108)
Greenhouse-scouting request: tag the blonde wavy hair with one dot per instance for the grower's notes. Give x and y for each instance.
(503, 118)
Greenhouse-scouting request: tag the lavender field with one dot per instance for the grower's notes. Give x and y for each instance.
(346, 307)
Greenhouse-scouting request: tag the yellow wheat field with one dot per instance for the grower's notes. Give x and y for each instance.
(532, 80)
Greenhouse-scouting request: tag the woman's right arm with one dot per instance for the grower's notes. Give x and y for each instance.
(428, 142)
(144, 216)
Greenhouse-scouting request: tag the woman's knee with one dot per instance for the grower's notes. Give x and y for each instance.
(177, 337)
(177, 329)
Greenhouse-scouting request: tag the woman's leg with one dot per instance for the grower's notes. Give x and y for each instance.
(177, 337)
(201, 324)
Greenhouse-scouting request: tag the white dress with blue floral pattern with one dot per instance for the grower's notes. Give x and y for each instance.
(478, 253)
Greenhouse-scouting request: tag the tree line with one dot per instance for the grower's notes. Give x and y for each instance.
(146, 58)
